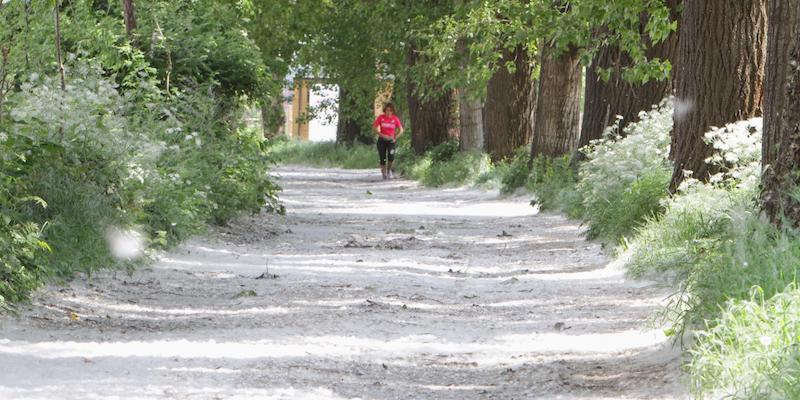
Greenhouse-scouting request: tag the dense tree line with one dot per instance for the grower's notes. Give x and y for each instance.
(554, 75)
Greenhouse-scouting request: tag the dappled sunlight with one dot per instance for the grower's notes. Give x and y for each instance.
(490, 352)
(152, 312)
(485, 210)
(146, 392)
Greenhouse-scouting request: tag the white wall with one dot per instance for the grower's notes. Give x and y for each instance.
(323, 126)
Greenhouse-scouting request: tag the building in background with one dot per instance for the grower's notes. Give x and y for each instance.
(310, 109)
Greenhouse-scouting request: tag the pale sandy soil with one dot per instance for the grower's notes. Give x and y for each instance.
(404, 293)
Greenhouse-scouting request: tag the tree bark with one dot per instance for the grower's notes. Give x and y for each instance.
(720, 76)
(130, 18)
(348, 130)
(430, 119)
(605, 100)
(510, 105)
(470, 116)
(558, 109)
(470, 111)
(781, 138)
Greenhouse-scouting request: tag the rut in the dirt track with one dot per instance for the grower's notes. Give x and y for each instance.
(365, 289)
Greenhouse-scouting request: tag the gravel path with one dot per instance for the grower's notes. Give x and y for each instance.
(384, 290)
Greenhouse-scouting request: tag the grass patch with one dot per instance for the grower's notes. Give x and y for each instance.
(323, 154)
(444, 165)
(753, 352)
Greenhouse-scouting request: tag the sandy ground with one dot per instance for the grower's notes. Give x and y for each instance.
(384, 290)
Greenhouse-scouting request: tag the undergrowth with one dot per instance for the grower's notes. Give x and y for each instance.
(132, 147)
(323, 154)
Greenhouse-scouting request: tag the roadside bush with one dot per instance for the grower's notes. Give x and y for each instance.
(704, 229)
(514, 173)
(76, 148)
(462, 169)
(689, 228)
(553, 182)
(20, 243)
(102, 161)
(443, 165)
(224, 162)
(699, 216)
(625, 177)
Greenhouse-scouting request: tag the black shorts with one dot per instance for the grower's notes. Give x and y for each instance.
(386, 150)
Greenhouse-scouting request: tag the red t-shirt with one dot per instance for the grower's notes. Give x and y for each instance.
(388, 124)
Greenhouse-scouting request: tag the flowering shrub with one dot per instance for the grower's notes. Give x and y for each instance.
(736, 157)
(625, 177)
(697, 217)
(103, 160)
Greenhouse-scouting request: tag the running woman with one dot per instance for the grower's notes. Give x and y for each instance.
(389, 128)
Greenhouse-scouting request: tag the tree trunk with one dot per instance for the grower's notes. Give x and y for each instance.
(720, 76)
(273, 117)
(430, 119)
(605, 100)
(781, 139)
(130, 18)
(510, 105)
(470, 111)
(347, 127)
(470, 116)
(558, 110)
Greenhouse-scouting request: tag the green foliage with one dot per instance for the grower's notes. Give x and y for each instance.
(116, 150)
(690, 227)
(461, 169)
(619, 213)
(517, 172)
(443, 165)
(553, 182)
(198, 40)
(20, 243)
(444, 152)
(698, 239)
(488, 27)
(753, 351)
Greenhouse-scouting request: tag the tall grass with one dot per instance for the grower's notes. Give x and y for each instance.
(752, 351)
(323, 154)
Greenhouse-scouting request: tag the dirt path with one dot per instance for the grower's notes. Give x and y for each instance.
(384, 291)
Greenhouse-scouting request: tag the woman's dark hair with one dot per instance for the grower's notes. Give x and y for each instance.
(388, 106)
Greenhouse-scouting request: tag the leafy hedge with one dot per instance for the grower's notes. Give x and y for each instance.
(135, 143)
